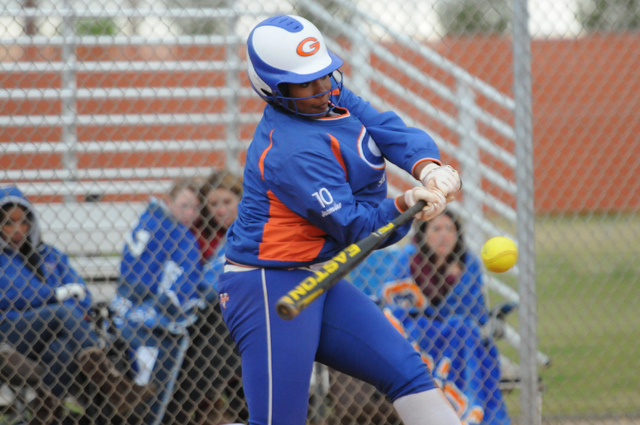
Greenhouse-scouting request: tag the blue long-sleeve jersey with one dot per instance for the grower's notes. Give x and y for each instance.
(313, 186)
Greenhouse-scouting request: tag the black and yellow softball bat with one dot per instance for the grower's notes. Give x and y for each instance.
(296, 300)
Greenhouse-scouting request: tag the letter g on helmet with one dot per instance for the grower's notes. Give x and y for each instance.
(286, 49)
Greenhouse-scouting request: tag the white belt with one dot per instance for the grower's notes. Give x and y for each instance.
(233, 268)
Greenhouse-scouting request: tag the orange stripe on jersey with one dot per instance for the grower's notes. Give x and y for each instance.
(287, 236)
(264, 154)
(335, 148)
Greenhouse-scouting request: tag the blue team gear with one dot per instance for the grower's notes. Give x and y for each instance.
(312, 187)
(160, 273)
(29, 311)
(448, 335)
(311, 190)
(466, 298)
(342, 329)
(157, 298)
(288, 49)
(21, 288)
(213, 268)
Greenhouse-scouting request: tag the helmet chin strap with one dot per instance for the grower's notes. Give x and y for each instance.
(285, 102)
(289, 103)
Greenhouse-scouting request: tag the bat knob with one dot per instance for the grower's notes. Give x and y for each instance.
(285, 310)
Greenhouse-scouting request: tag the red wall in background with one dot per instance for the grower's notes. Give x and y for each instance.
(586, 115)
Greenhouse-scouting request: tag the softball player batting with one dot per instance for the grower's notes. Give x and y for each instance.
(314, 182)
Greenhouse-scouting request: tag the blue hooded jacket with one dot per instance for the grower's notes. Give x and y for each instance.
(20, 288)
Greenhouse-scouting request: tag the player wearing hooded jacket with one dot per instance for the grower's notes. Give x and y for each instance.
(43, 316)
(315, 182)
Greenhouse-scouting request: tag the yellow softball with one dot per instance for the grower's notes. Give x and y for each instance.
(499, 254)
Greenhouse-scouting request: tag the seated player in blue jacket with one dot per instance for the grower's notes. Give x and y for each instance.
(158, 294)
(44, 304)
(432, 290)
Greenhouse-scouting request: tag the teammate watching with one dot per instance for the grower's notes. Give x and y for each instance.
(314, 182)
(433, 289)
(158, 292)
(211, 369)
(46, 338)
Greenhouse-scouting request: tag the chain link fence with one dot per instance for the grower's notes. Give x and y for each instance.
(106, 105)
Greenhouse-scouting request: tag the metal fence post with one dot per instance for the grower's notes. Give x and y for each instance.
(469, 166)
(69, 136)
(529, 403)
(360, 59)
(232, 101)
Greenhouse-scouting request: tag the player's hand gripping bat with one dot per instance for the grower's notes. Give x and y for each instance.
(296, 300)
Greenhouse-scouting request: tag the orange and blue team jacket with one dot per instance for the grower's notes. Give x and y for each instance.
(313, 186)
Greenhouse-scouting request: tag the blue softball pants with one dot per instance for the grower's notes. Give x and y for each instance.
(342, 329)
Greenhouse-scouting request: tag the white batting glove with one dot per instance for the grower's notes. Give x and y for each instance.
(436, 202)
(444, 178)
(70, 290)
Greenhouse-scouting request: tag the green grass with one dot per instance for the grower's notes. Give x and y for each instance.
(588, 302)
